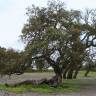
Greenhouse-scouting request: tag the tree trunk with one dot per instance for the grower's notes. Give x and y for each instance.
(70, 74)
(87, 72)
(65, 71)
(64, 75)
(75, 74)
(60, 81)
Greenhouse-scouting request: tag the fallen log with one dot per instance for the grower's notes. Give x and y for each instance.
(27, 82)
(51, 82)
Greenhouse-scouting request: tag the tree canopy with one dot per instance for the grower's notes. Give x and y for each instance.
(53, 29)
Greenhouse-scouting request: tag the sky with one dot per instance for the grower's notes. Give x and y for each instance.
(13, 17)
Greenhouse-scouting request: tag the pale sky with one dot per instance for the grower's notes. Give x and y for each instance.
(12, 18)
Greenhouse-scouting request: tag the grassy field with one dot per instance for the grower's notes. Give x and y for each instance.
(42, 88)
(91, 74)
(68, 85)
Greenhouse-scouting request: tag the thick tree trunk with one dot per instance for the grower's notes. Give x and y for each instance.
(60, 81)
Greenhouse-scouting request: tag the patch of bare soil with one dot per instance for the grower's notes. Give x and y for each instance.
(4, 93)
(88, 87)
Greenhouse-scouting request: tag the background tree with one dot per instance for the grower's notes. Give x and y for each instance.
(11, 62)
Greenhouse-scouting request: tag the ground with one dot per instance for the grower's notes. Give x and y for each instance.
(87, 85)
